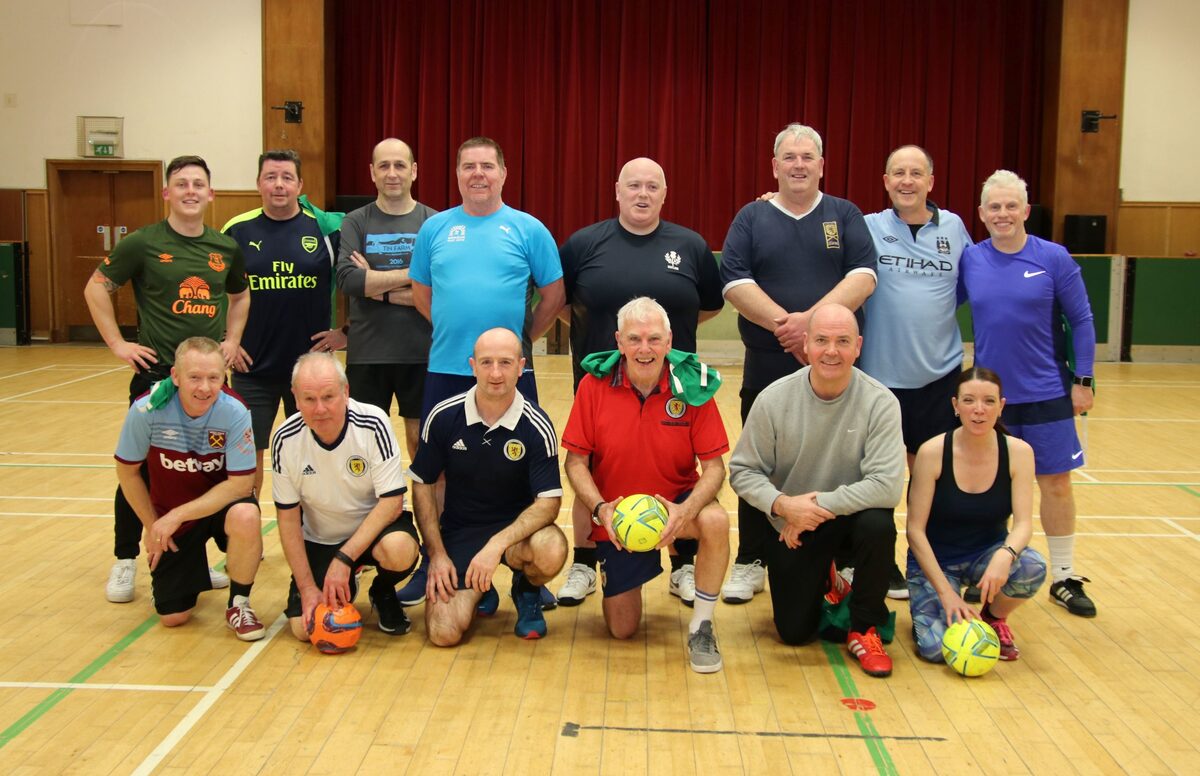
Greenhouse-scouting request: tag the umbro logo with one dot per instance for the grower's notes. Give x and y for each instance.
(165, 258)
(890, 239)
(459, 445)
(257, 244)
(308, 469)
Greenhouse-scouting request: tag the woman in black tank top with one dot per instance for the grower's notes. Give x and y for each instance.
(965, 485)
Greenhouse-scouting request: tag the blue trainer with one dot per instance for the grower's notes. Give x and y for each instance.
(413, 592)
(547, 599)
(531, 623)
(490, 602)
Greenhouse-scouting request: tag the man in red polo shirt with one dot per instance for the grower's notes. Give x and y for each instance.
(643, 415)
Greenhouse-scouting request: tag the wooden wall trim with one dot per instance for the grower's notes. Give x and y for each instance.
(1166, 229)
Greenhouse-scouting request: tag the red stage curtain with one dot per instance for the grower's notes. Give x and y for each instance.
(572, 89)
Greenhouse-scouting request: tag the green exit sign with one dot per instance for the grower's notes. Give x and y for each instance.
(104, 149)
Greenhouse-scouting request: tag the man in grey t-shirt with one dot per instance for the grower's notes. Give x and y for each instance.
(388, 350)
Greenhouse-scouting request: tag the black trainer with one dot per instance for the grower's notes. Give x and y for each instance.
(1069, 594)
(897, 586)
(392, 619)
(972, 595)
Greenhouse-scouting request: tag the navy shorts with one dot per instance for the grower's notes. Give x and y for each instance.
(440, 386)
(926, 412)
(463, 543)
(262, 396)
(1049, 428)
(377, 383)
(321, 555)
(182, 576)
(621, 571)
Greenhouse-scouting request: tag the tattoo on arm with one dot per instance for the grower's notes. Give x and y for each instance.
(110, 286)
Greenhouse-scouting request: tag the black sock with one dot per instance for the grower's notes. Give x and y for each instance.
(586, 556)
(521, 584)
(677, 562)
(386, 579)
(239, 588)
(686, 549)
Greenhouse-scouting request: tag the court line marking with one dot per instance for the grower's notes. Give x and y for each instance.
(64, 401)
(210, 698)
(57, 455)
(53, 699)
(1084, 474)
(118, 687)
(64, 384)
(572, 730)
(31, 371)
(866, 726)
(107, 500)
(1178, 527)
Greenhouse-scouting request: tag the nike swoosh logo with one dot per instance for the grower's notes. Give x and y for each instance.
(1076, 456)
(1029, 274)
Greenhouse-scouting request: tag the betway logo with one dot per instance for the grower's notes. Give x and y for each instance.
(191, 464)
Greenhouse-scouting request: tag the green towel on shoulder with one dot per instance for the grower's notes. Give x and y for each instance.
(690, 378)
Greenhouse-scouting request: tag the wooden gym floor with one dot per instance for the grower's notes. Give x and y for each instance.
(91, 687)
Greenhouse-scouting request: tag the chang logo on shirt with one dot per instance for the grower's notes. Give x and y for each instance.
(833, 240)
(458, 233)
(194, 299)
(514, 450)
(356, 465)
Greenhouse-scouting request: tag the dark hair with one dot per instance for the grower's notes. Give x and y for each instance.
(280, 155)
(986, 375)
(480, 142)
(179, 162)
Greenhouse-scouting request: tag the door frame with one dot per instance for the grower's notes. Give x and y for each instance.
(61, 296)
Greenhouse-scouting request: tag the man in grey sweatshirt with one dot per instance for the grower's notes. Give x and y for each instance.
(822, 454)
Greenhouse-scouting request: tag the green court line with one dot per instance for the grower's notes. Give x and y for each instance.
(879, 753)
(1189, 490)
(52, 700)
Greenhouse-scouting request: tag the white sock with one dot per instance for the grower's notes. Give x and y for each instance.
(702, 609)
(1062, 557)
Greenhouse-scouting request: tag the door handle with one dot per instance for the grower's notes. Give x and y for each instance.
(121, 232)
(107, 232)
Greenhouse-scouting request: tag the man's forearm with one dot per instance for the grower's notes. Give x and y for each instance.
(98, 295)
(129, 477)
(851, 292)
(377, 281)
(217, 498)
(380, 517)
(425, 506)
(535, 517)
(754, 305)
(238, 314)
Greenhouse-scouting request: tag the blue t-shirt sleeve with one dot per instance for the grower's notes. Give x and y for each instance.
(418, 267)
(544, 264)
(544, 478)
(134, 442)
(860, 250)
(430, 460)
(1072, 297)
(735, 254)
(239, 451)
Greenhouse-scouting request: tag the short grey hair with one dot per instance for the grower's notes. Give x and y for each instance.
(796, 132)
(643, 309)
(320, 358)
(1004, 179)
(887, 166)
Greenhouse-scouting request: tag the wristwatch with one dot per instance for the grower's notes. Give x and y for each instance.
(1086, 382)
(596, 512)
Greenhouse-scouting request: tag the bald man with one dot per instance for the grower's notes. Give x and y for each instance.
(822, 454)
(499, 455)
(388, 348)
(607, 264)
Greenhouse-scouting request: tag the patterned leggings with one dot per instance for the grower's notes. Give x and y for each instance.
(928, 616)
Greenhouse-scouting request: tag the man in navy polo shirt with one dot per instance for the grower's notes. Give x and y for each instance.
(499, 454)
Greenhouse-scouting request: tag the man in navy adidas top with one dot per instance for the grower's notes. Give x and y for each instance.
(289, 265)
(1020, 287)
(339, 492)
(781, 260)
(499, 454)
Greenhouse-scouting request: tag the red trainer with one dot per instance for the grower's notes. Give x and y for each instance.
(1008, 648)
(869, 651)
(242, 620)
(839, 588)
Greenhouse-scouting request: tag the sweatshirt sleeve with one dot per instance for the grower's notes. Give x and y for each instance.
(881, 483)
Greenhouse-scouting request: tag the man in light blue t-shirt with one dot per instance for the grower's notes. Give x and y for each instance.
(472, 269)
(913, 345)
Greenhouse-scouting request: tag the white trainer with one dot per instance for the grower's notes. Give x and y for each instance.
(745, 579)
(683, 584)
(581, 582)
(219, 579)
(119, 589)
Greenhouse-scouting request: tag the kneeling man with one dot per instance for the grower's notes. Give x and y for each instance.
(196, 441)
(642, 417)
(339, 489)
(822, 454)
(499, 454)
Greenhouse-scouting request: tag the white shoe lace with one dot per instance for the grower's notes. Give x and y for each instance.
(577, 576)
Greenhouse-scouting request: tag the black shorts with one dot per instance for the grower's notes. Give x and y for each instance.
(621, 571)
(926, 412)
(463, 543)
(262, 396)
(182, 576)
(761, 368)
(378, 383)
(321, 555)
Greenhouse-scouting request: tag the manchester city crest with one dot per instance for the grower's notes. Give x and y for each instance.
(943, 246)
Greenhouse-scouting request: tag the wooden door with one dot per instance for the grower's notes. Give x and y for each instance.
(93, 205)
